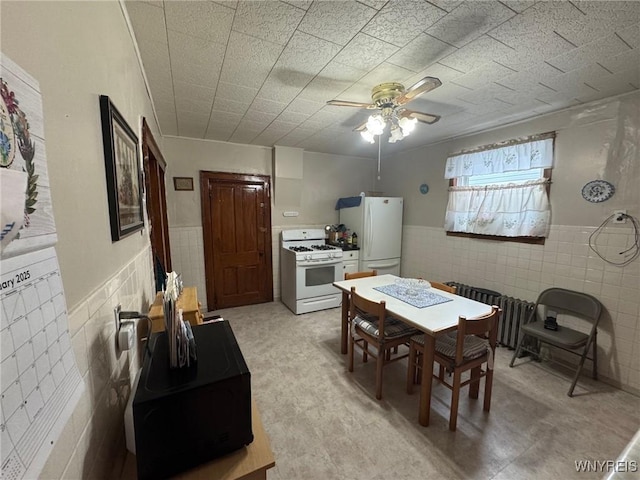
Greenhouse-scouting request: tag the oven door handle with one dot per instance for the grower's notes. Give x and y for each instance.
(320, 263)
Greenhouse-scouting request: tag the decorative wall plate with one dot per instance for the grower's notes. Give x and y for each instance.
(424, 188)
(597, 191)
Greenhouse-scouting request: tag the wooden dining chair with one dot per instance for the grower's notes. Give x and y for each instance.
(416, 352)
(372, 327)
(469, 348)
(354, 275)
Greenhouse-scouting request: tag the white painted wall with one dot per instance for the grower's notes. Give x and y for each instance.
(78, 51)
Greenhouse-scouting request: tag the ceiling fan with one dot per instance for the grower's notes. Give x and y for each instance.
(390, 99)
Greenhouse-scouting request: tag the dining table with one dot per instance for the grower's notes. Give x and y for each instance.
(432, 320)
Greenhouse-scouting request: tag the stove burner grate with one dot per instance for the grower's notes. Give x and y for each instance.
(301, 249)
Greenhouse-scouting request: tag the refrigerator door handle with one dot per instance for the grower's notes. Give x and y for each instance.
(382, 265)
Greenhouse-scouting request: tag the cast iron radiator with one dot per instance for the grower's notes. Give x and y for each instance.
(514, 310)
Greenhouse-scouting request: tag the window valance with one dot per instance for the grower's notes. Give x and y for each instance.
(502, 158)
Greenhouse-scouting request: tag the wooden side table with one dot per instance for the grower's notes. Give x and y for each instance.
(188, 302)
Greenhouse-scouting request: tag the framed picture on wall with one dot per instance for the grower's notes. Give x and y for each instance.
(122, 166)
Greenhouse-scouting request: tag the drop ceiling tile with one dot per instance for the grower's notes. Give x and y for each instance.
(243, 136)
(292, 117)
(377, 4)
(617, 88)
(527, 79)
(576, 81)
(268, 105)
(223, 105)
(631, 35)
(365, 52)
(394, 24)
(469, 21)
(622, 62)
(270, 20)
(303, 4)
(519, 6)
(421, 52)
(599, 19)
(168, 121)
(160, 84)
(224, 119)
(595, 52)
(235, 92)
(532, 32)
(259, 119)
(442, 72)
(447, 5)
(249, 60)
(148, 21)
(197, 93)
(191, 124)
(189, 104)
(625, 78)
(194, 59)
(447, 92)
(306, 53)
(207, 20)
(483, 75)
(306, 107)
(283, 87)
(337, 22)
(475, 54)
(486, 94)
(385, 72)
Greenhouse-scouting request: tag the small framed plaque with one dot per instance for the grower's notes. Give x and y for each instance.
(183, 183)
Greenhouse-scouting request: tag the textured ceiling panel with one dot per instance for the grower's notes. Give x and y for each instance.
(262, 71)
(401, 21)
(336, 22)
(269, 20)
(469, 21)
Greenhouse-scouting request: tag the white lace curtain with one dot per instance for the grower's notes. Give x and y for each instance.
(511, 210)
(519, 156)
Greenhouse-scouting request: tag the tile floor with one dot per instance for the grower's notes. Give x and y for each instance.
(325, 423)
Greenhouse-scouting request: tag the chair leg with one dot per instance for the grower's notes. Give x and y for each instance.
(595, 356)
(352, 347)
(455, 397)
(379, 365)
(411, 368)
(579, 369)
(441, 373)
(474, 386)
(517, 352)
(365, 350)
(488, 384)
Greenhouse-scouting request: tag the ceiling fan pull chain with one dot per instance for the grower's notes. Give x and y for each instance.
(379, 143)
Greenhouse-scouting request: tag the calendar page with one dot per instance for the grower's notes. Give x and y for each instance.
(40, 381)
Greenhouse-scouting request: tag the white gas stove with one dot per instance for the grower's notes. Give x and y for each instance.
(308, 268)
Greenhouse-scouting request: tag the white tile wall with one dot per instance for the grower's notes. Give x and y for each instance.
(92, 442)
(523, 271)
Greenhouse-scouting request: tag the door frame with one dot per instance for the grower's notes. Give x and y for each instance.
(209, 264)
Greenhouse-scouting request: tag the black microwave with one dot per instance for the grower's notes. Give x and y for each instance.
(188, 416)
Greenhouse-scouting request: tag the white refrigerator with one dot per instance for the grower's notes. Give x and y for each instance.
(378, 224)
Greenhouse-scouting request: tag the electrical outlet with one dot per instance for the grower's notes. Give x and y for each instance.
(619, 216)
(116, 314)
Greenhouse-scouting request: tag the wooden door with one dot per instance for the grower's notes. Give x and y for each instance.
(154, 168)
(236, 219)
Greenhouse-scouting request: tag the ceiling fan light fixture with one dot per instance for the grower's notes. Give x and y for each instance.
(396, 134)
(407, 125)
(376, 124)
(368, 136)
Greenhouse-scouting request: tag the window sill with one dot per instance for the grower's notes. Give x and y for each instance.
(529, 240)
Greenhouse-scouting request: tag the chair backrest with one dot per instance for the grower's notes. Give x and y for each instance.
(354, 275)
(485, 326)
(561, 300)
(444, 287)
(359, 304)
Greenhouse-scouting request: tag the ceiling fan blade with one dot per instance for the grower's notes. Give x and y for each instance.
(345, 103)
(422, 86)
(360, 127)
(420, 116)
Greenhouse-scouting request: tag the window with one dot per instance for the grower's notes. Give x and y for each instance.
(501, 190)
